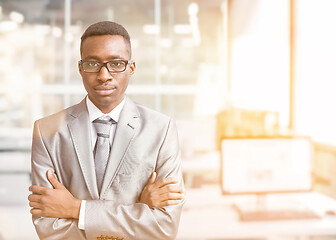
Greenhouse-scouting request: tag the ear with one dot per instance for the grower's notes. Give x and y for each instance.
(80, 68)
(132, 68)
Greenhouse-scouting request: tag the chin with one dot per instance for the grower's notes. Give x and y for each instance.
(107, 101)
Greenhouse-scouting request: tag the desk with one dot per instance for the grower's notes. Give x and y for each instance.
(209, 215)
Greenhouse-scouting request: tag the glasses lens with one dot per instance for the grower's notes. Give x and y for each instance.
(116, 66)
(91, 66)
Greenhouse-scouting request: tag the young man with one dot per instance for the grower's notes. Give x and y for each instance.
(107, 153)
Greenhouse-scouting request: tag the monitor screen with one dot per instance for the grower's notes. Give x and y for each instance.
(266, 165)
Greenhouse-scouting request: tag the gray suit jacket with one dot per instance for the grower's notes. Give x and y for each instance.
(145, 141)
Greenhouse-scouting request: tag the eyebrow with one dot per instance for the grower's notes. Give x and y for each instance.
(99, 58)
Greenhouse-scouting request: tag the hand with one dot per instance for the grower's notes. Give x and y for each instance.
(54, 203)
(161, 193)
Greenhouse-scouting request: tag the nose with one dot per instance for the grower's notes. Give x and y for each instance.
(104, 74)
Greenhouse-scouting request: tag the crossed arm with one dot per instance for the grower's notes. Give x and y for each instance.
(60, 203)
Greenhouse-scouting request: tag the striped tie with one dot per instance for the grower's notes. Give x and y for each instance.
(102, 148)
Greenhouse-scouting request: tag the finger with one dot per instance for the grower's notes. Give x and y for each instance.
(34, 198)
(37, 189)
(171, 188)
(169, 203)
(35, 205)
(152, 179)
(37, 212)
(165, 181)
(52, 179)
(171, 196)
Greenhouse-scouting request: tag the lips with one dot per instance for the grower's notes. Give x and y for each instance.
(104, 90)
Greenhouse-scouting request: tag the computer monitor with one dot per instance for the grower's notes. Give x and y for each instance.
(260, 165)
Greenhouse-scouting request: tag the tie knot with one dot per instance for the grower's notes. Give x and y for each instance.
(103, 126)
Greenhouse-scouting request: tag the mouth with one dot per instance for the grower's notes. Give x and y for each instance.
(105, 90)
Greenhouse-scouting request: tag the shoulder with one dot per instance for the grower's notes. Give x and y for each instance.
(148, 115)
(157, 124)
(56, 121)
(154, 122)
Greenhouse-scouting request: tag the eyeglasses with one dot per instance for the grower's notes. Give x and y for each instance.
(114, 66)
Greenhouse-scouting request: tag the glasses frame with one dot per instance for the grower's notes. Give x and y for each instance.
(104, 64)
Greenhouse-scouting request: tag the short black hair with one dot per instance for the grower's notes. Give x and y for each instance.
(106, 28)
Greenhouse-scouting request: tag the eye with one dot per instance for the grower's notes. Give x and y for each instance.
(92, 64)
(116, 63)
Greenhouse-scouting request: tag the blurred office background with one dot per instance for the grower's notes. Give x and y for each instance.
(221, 68)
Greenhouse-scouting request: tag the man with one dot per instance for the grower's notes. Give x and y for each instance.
(95, 164)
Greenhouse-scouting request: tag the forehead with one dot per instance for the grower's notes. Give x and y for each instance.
(105, 47)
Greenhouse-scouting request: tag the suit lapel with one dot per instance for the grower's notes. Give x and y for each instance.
(126, 127)
(81, 137)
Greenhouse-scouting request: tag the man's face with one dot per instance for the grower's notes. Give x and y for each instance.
(105, 89)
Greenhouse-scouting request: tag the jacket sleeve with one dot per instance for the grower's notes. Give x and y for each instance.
(48, 228)
(138, 221)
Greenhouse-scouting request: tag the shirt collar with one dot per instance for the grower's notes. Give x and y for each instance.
(95, 112)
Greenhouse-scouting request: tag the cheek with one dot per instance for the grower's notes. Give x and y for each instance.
(123, 82)
(126, 79)
(87, 82)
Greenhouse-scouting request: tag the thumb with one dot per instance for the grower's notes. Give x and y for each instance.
(52, 179)
(152, 179)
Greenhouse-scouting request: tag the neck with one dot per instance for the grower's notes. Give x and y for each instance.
(108, 107)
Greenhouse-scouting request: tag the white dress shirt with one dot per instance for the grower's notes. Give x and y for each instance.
(95, 113)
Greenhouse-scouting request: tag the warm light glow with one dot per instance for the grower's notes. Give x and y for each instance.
(260, 59)
(193, 9)
(16, 17)
(57, 32)
(193, 19)
(315, 70)
(182, 29)
(7, 26)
